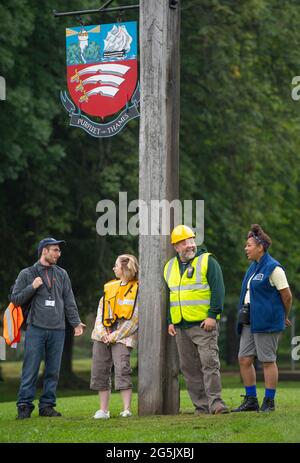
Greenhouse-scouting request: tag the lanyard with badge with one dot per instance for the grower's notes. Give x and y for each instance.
(50, 302)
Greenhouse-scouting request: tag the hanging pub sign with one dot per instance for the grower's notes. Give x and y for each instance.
(102, 76)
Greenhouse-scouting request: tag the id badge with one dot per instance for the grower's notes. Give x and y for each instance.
(49, 303)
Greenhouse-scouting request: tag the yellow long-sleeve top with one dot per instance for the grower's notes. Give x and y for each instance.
(126, 331)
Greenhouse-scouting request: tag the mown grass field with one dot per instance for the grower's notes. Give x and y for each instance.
(78, 426)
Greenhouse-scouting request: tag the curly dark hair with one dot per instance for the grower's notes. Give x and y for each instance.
(260, 236)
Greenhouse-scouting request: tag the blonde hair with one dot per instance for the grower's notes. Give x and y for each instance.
(130, 266)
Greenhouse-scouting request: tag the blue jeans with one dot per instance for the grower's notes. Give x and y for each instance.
(40, 344)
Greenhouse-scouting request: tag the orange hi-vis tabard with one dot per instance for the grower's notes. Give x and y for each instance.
(119, 301)
(12, 322)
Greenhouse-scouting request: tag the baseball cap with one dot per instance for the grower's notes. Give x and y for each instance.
(46, 242)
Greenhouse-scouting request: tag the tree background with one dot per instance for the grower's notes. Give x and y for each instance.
(239, 144)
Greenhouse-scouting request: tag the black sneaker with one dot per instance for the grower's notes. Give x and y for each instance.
(268, 405)
(48, 411)
(249, 404)
(24, 411)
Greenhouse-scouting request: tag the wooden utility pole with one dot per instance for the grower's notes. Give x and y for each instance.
(159, 179)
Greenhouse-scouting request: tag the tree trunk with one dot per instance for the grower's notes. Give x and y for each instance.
(232, 342)
(66, 371)
(67, 378)
(158, 179)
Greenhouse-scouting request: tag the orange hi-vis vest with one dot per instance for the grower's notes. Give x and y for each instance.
(12, 322)
(119, 301)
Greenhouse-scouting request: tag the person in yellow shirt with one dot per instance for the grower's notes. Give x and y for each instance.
(115, 335)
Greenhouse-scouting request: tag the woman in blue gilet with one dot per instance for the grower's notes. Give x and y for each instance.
(265, 303)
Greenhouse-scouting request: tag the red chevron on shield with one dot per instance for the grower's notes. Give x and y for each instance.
(102, 89)
(102, 69)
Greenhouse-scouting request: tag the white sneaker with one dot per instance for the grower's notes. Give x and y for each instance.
(126, 413)
(101, 415)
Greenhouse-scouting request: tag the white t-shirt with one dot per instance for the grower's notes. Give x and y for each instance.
(277, 279)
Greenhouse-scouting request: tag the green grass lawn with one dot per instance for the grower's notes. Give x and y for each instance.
(78, 426)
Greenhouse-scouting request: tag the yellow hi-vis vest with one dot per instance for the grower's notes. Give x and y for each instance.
(189, 297)
(119, 301)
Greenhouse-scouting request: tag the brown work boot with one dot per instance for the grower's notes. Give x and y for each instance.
(220, 410)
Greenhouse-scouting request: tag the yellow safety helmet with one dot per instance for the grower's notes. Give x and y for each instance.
(181, 232)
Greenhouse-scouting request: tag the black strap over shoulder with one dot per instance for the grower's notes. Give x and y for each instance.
(35, 273)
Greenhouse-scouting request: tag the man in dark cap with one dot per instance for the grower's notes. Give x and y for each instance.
(49, 289)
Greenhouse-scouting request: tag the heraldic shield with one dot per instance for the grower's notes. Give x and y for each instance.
(102, 66)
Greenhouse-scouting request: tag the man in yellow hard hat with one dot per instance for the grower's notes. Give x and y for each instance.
(196, 296)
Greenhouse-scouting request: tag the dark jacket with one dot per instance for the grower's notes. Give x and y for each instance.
(59, 290)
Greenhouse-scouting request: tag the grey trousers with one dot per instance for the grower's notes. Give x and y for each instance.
(104, 357)
(199, 362)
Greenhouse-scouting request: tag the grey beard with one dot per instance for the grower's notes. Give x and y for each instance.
(185, 258)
